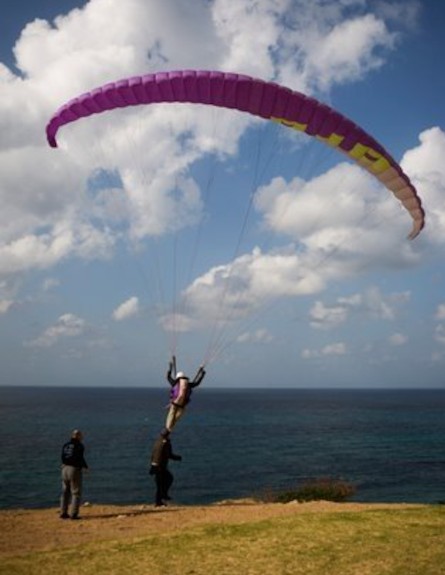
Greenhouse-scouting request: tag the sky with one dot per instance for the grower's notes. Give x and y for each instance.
(208, 233)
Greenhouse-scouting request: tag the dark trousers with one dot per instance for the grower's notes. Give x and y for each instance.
(164, 480)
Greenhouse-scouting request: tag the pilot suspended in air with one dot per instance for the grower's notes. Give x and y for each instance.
(181, 391)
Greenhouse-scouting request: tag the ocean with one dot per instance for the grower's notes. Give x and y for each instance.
(235, 443)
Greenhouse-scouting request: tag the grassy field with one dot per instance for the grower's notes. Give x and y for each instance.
(399, 541)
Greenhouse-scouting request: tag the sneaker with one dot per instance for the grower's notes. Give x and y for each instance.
(74, 517)
(64, 516)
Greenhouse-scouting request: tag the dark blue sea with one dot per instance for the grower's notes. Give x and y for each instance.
(390, 444)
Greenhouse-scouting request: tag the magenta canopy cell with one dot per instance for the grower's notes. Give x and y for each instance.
(265, 99)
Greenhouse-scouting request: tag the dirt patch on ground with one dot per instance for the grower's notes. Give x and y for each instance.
(22, 531)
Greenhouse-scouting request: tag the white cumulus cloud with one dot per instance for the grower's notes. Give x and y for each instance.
(261, 335)
(440, 312)
(371, 303)
(67, 325)
(398, 339)
(47, 214)
(5, 305)
(128, 308)
(332, 349)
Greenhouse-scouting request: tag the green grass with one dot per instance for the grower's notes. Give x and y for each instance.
(377, 542)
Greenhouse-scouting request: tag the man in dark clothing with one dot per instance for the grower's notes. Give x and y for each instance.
(73, 462)
(160, 456)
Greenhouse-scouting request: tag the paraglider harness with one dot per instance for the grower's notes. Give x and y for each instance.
(174, 393)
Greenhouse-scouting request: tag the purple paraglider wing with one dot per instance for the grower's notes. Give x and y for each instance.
(264, 99)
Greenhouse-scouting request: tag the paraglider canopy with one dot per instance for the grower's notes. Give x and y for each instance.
(264, 99)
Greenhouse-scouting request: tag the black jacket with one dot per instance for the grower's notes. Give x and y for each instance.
(162, 452)
(72, 454)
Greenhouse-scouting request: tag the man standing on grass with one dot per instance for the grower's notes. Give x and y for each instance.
(160, 456)
(73, 462)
